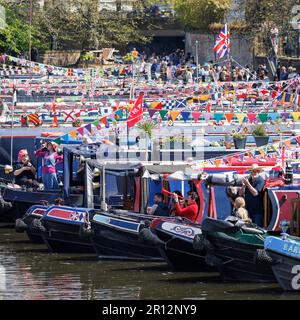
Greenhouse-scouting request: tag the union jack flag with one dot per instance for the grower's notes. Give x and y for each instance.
(222, 46)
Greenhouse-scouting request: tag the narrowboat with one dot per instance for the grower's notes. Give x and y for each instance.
(31, 224)
(233, 247)
(285, 263)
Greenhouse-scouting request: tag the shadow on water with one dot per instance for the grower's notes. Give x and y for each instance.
(194, 279)
(162, 267)
(81, 258)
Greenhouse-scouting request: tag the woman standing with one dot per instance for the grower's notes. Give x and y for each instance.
(51, 159)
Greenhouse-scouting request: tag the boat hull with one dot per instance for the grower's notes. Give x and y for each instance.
(283, 271)
(236, 261)
(178, 249)
(65, 238)
(63, 230)
(118, 238)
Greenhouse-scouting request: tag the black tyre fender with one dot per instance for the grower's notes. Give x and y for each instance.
(85, 231)
(37, 225)
(262, 257)
(199, 242)
(213, 261)
(146, 236)
(20, 226)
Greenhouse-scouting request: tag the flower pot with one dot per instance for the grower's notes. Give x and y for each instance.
(228, 144)
(261, 141)
(240, 143)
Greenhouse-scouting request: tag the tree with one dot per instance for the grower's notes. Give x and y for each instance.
(263, 15)
(200, 14)
(82, 23)
(14, 38)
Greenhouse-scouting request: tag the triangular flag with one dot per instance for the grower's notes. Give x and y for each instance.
(163, 113)
(174, 114)
(57, 140)
(207, 116)
(151, 112)
(96, 123)
(156, 105)
(295, 115)
(196, 116)
(80, 131)
(273, 115)
(218, 116)
(88, 127)
(229, 117)
(103, 120)
(65, 138)
(263, 117)
(240, 117)
(185, 115)
(73, 134)
(251, 117)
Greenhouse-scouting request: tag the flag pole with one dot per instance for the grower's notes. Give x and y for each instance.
(12, 123)
(229, 55)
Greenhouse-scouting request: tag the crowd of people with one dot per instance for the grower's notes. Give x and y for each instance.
(179, 66)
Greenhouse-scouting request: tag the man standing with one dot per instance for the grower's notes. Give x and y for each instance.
(253, 191)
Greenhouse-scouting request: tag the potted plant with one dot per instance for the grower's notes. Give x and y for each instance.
(239, 139)
(147, 127)
(76, 123)
(260, 135)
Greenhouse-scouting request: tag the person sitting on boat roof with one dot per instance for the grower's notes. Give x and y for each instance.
(172, 205)
(25, 172)
(252, 190)
(240, 211)
(51, 159)
(159, 208)
(191, 211)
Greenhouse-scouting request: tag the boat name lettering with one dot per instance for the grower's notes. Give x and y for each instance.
(291, 248)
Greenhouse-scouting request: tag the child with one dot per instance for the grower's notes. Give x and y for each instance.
(240, 211)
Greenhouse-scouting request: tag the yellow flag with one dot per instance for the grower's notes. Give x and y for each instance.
(240, 117)
(295, 115)
(174, 114)
(73, 134)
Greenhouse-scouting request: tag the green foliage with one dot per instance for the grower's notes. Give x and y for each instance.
(239, 135)
(259, 131)
(200, 14)
(88, 56)
(14, 38)
(147, 127)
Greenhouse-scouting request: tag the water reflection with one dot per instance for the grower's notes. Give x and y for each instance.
(28, 271)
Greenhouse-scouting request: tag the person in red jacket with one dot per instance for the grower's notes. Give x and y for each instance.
(191, 211)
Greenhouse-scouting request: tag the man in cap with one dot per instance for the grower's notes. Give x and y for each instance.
(252, 190)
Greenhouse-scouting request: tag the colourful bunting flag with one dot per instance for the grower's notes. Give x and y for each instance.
(196, 116)
(185, 115)
(174, 114)
(229, 117)
(218, 116)
(263, 117)
(251, 117)
(163, 113)
(240, 117)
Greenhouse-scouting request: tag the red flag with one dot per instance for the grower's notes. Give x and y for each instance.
(55, 121)
(136, 114)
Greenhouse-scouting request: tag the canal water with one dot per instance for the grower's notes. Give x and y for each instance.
(28, 271)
